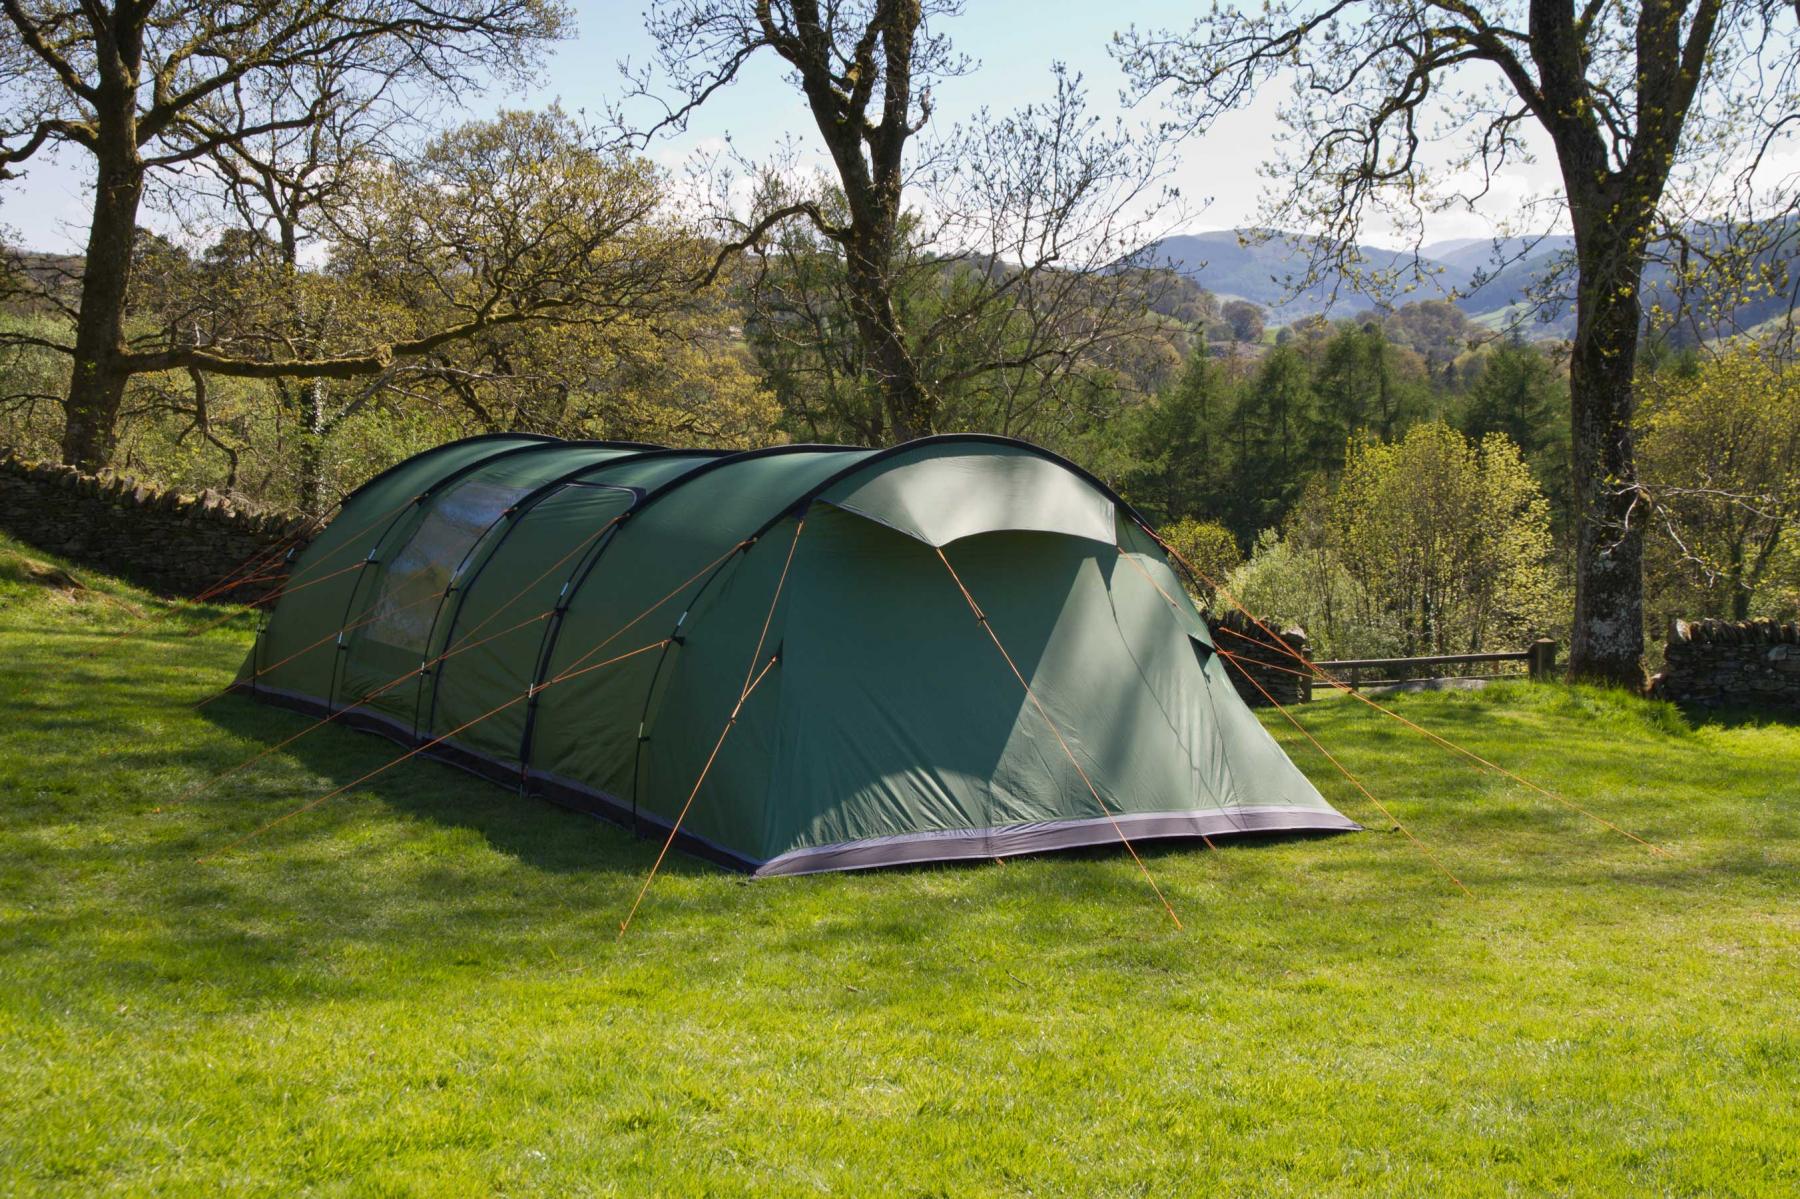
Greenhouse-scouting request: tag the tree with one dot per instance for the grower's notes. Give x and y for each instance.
(1211, 549)
(1000, 284)
(1514, 394)
(1245, 319)
(507, 274)
(1437, 330)
(1451, 536)
(1295, 580)
(1655, 110)
(1177, 452)
(678, 376)
(287, 189)
(1429, 544)
(1519, 393)
(143, 88)
(1721, 463)
(1361, 384)
(1268, 428)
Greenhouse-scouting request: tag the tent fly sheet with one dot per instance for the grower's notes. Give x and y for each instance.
(805, 658)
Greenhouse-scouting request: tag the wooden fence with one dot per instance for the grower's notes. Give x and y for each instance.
(1539, 659)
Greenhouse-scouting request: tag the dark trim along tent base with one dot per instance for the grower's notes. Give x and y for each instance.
(804, 658)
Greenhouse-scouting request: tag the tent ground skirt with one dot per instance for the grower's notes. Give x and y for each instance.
(913, 849)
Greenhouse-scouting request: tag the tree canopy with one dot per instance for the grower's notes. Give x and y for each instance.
(935, 280)
(144, 88)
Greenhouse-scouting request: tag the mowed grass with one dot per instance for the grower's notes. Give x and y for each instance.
(418, 988)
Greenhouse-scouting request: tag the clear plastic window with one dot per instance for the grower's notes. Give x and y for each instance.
(420, 573)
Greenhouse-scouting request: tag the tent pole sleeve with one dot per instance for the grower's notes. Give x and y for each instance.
(553, 630)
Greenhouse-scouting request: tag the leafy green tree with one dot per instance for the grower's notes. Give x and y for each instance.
(1430, 544)
(1515, 394)
(1450, 536)
(1245, 320)
(1721, 463)
(1178, 452)
(1294, 580)
(1209, 547)
(507, 275)
(1437, 330)
(1268, 438)
(1520, 394)
(149, 89)
(982, 268)
(1035, 353)
(1359, 387)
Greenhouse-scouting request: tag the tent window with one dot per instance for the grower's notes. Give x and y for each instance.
(1202, 651)
(405, 608)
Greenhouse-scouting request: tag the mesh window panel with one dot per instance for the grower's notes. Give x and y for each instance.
(403, 612)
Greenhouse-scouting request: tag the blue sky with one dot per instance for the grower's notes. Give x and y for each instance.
(1014, 42)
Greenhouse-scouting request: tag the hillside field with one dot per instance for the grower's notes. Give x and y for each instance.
(418, 987)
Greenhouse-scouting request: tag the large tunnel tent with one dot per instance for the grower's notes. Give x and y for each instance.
(607, 624)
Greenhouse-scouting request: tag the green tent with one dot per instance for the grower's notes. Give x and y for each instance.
(581, 620)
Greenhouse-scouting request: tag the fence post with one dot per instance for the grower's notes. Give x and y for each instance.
(1542, 660)
(1296, 643)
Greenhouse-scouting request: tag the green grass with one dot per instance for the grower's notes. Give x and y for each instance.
(417, 988)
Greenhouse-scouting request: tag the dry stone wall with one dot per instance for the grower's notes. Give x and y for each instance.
(1260, 662)
(1731, 664)
(171, 542)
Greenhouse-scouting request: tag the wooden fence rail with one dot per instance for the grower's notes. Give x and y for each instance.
(1539, 658)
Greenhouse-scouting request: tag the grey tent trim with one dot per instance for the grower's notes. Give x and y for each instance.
(1044, 836)
(870, 853)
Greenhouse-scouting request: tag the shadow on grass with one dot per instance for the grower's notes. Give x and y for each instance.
(1739, 717)
(334, 904)
(281, 915)
(528, 829)
(1467, 806)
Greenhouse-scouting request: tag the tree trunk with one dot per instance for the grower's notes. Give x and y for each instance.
(1607, 641)
(910, 410)
(1734, 578)
(97, 383)
(311, 482)
(872, 190)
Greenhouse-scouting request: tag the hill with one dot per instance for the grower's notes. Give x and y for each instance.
(1489, 279)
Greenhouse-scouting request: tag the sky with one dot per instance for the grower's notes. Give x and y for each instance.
(1015, 43)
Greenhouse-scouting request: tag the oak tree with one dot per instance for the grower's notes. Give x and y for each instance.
(144, 87)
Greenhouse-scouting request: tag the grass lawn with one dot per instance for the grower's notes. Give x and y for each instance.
(417, 988)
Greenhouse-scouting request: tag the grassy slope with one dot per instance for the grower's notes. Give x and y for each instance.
(417, 988)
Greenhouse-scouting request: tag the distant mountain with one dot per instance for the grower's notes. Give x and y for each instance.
(1492, 280)
(1265, 272)
(1492, 275)
(1446, 251)
(1470, 254)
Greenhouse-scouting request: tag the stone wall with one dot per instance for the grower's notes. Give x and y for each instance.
(162, 539)
(1256, 656)
(1731, 664)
